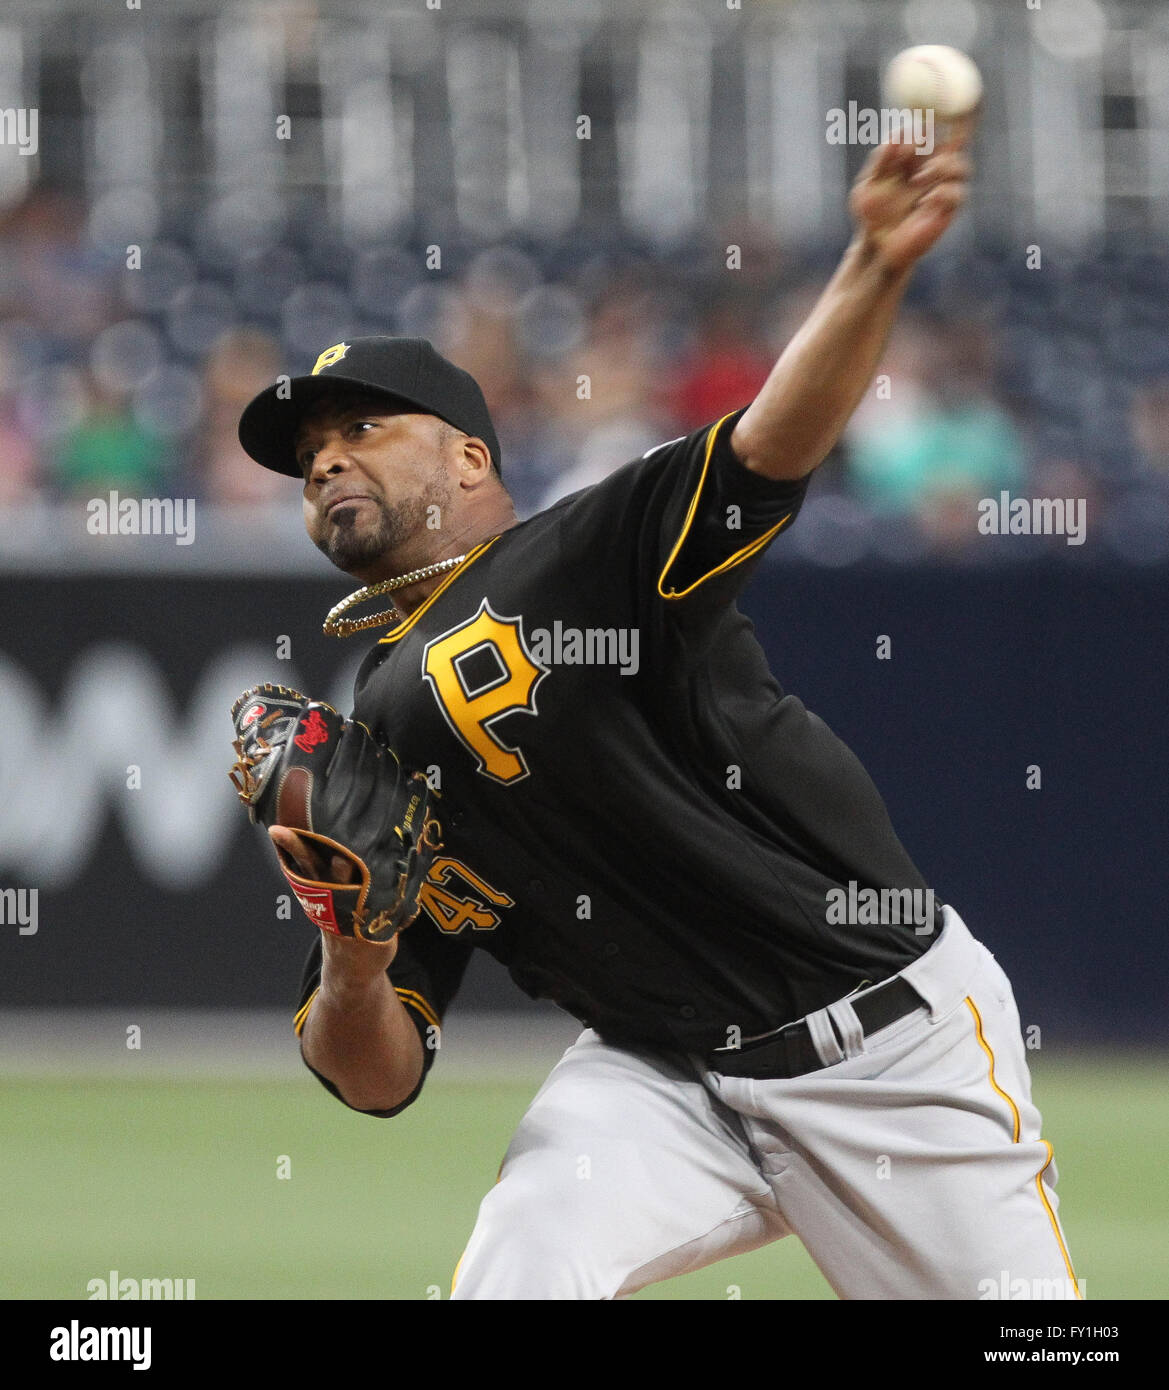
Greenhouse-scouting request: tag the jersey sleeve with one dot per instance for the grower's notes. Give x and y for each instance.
(692, 516)
(426, 973)
(716, 515)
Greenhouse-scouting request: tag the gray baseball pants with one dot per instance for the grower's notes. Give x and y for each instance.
(910, 1167)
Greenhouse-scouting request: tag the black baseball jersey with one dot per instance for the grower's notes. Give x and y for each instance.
(637, 821)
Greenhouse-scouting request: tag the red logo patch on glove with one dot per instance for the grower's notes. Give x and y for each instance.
(318, 904)
(314, 730)
(250, 716)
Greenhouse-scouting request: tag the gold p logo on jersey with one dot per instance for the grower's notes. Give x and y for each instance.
(329, 356)
(502, 681)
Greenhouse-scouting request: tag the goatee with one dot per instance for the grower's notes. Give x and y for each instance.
(356, 540)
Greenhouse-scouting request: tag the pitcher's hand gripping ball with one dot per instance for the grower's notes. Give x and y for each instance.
(300, 764)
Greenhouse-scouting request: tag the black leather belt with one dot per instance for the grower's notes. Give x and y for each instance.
(789, 1051)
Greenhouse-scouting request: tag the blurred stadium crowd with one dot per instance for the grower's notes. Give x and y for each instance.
(585, 284)
(1051, 383)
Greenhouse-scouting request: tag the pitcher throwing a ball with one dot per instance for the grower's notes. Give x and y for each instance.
(658, 845)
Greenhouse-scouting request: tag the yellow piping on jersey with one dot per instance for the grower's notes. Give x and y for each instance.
(407, 623)
(739, 556)
(302, 1015)
(1063, 1250)
(416, 1001)
(407, 996)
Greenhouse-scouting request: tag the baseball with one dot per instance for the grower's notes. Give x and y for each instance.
(934, 76)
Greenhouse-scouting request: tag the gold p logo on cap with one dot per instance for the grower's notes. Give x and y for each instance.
(329, 356)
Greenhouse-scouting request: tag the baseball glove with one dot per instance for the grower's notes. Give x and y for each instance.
(300, 765)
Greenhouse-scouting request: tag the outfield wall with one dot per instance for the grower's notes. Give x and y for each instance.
(161, 894)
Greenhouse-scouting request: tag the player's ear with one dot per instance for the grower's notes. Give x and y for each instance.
(475, 464)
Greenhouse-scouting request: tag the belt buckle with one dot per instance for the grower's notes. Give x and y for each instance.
(776, 1033)
(784, 1034)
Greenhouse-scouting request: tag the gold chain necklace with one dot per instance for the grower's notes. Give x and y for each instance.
(336, 626)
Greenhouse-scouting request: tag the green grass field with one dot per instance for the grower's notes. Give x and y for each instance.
(179, 1179)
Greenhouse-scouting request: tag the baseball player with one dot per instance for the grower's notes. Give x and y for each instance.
(783, 1030)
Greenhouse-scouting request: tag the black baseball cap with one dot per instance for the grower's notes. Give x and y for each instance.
(407, 371)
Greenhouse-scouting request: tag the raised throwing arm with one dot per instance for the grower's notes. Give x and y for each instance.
(901, 203)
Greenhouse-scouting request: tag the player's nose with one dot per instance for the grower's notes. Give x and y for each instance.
(330, 458)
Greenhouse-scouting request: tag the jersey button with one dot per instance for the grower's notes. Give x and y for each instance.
(611, 948)
(687, 1010)
(536, 885)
